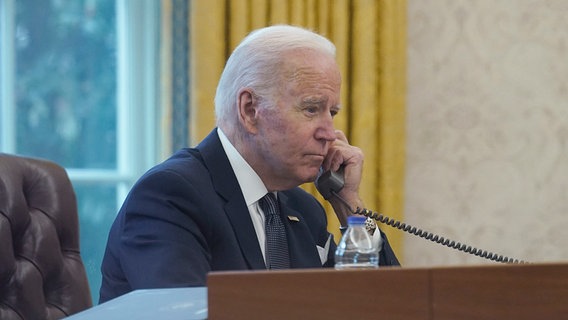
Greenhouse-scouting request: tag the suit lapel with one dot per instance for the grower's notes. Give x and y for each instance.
(303, 251)
(227, 186)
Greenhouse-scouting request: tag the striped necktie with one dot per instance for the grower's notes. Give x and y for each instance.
(277, 256)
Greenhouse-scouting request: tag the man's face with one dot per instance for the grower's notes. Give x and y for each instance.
(294, 136)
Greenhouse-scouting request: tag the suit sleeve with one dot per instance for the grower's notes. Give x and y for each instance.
(162, 243)
(386, 255)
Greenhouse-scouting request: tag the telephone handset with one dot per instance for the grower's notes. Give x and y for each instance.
(329, 184)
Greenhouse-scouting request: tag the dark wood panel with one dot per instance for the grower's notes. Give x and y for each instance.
(530, 291)
(319, 294)
(501, 292)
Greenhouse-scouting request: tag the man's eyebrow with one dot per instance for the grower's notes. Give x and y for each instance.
(313, 100)
(319, 100)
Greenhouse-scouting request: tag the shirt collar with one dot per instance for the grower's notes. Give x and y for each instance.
(251, 185)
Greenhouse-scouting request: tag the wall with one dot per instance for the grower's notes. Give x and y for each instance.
(487, 148)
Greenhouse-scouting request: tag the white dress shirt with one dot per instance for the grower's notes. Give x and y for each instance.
(251, 185)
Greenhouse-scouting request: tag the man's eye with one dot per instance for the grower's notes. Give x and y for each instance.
(333, 113)
(312, 110)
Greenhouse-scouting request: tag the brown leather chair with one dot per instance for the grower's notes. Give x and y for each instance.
(42, 275)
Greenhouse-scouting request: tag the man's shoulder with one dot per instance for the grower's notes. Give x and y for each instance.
(184, 163)
(180, 159)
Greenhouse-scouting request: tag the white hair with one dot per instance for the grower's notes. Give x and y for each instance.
(256, 63)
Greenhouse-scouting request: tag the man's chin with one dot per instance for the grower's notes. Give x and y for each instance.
(308, 174)
(312, 176)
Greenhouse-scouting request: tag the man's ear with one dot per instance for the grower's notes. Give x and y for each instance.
(248, 109)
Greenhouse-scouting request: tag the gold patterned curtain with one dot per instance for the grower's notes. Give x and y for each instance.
(370, 37)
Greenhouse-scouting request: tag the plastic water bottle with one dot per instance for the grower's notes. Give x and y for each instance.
(356, 249)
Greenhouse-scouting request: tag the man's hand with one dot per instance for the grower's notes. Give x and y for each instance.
(341, 153)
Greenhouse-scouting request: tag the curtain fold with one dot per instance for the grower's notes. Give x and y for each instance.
(371, 51)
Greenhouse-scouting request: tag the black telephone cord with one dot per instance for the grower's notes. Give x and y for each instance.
(428, 235)
(435, 238)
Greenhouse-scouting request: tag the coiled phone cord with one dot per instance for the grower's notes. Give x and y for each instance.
(428, 235)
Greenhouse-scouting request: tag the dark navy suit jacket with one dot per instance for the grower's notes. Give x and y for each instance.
(187, 216)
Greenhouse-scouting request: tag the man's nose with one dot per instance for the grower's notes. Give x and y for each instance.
(326, 130)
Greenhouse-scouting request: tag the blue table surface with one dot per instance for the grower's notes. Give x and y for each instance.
(167, 304)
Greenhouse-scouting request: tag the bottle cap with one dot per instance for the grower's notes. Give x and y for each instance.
(356, 219)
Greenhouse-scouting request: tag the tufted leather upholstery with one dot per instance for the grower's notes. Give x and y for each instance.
(42, 275)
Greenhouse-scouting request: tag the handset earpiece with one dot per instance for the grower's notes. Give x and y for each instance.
(329, 182)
